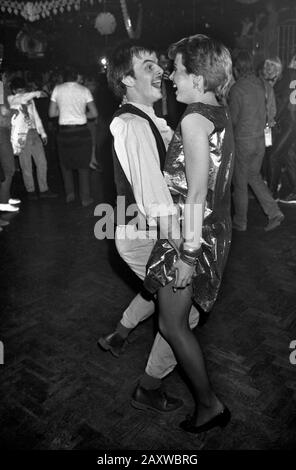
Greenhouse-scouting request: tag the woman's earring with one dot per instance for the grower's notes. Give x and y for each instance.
(196, 85)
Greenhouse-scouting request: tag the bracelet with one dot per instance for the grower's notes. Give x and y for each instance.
(189, 256)
(193, 251)
(191, 260)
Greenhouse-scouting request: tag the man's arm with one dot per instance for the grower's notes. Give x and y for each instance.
(38, 124)
(53, 109)
(92, 112)
(24, 98)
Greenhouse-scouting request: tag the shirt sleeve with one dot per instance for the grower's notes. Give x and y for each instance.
(54, 95)
(23, 98)
(136, 150)
(88, 95)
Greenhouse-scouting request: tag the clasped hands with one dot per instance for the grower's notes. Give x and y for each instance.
(183, 271)
(183, 274)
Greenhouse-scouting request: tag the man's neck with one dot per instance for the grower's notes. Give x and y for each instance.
(138, 101)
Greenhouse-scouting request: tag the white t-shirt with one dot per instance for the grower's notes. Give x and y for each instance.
(71, 98)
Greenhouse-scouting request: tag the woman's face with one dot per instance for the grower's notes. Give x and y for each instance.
(185, 91)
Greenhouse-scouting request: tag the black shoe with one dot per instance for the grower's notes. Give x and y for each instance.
(48, 194)
(32, 196)
(155, 400)
(113, 343)
(274, 222)
(222, 419)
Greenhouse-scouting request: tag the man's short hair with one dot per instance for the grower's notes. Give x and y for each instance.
(244, 63)
(70, 74)
(205, 56)
(120, 64)
(17, 83)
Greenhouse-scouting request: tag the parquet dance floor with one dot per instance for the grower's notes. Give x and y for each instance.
(61, 288)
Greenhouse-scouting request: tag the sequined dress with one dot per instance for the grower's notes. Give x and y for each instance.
(216, 231)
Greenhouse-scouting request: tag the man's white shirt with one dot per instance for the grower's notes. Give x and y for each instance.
(137, 152)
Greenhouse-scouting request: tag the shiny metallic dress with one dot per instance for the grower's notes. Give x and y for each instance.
(216, 232)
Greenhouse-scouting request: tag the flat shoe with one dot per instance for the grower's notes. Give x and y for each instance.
(154, 400)
(274, 222)
(14, 201)
(8, 208)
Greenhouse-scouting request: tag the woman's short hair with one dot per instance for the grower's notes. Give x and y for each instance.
(120, 64)
(202, 55)
(243, 63)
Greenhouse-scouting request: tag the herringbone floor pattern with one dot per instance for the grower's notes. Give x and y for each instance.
(61, 288)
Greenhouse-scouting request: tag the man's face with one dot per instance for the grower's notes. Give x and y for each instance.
(146, 84)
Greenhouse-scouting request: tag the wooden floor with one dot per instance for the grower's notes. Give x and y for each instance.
(61, 289)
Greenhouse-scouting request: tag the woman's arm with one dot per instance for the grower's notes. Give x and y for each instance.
(195, 132)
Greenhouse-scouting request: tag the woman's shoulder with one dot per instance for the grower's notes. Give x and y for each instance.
(204, 112)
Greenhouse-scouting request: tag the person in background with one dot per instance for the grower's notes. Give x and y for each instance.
(25, 132)
(7, 204)
(269, 74)
(91, 83)
(3, 222)
(168, 107)
(283, 153)
(248, 112)
(73, 104)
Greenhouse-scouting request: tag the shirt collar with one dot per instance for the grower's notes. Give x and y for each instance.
(144, 107)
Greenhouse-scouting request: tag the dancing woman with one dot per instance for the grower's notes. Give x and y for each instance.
(198, 173)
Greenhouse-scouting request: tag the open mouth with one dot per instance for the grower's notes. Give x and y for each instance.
(157, 84)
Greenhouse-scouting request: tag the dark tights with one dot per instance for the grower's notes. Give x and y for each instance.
(174, 309)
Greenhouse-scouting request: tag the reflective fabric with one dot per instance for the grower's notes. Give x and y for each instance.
(216, 232)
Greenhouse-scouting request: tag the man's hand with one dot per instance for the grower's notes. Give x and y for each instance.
(166, 75)
(44, 140)
(183, 275)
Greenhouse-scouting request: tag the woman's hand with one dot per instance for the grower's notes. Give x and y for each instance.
(183, 275)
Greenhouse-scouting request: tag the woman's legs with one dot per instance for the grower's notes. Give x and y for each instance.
(174, 311)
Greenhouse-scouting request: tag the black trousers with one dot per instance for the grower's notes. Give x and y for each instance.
(281, 157)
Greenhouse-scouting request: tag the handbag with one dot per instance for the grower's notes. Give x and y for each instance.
(159, 269)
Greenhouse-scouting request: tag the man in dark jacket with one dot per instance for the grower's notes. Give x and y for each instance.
(248, 112)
